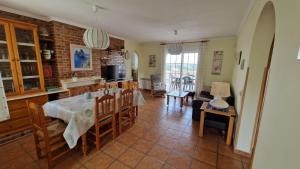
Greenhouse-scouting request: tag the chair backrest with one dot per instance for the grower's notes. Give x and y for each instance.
(155, 78)
(187, 79)
(112, 84)
(133, 85)
(125, 85)
(104, 107)
(103, 85)
(126, 99)
(38, 118)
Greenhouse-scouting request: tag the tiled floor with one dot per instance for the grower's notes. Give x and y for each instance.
(160, 139)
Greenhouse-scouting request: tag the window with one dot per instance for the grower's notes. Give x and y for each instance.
(178, 67)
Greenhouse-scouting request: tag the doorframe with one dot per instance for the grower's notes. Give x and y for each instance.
(261, 101)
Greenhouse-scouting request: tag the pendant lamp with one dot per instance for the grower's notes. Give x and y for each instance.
(96, 38)
(175, 48)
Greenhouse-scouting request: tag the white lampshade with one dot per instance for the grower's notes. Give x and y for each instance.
(96, 38)
(175, 49)
(220, 89)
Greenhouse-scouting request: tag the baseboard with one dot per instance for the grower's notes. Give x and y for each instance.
(242, 153)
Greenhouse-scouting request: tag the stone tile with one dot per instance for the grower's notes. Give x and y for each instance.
(160, 152)
(208, 144)
(127, 139)
(150, 163)
(118, 165)
(168, 142)
(143, 146)
(168, 166)
(24, 161)
(100, 160)
(225, 162)
(200, 165)
(152, 136)
(66, 162)
(138, 131)
(206, 156)
(179, 161)
(114, 149)
(131, 157)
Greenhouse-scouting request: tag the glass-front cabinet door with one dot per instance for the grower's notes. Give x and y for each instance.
(7, 61)
(25, 40)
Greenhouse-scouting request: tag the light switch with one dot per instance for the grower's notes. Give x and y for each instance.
(298, 54)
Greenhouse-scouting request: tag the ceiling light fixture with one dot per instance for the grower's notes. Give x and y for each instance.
(96, 38)
(175, 48)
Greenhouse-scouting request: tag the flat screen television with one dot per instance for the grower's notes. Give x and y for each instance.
(114, 73)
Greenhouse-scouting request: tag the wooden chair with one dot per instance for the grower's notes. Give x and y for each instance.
(103, 85)
(126, 85)
(125, 109)
(105, 118)
(48, 136)
(157, 88)
(134, 86)
(113, 84)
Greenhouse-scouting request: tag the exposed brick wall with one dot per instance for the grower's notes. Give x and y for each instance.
(64, 35)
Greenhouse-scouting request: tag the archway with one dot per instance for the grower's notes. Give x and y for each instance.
(259, 64)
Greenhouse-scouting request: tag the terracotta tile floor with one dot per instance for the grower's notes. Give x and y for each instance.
(160, 139)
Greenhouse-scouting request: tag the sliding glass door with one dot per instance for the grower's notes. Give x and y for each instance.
(180, 71)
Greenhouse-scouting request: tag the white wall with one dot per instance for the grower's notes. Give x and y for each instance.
(259, 54)
(150, 49)
(227, 44)
(278, 140)
(131, 46)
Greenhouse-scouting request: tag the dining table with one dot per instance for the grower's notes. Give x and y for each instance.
(78, 113)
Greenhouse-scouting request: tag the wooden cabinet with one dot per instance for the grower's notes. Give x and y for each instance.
(19, 115)
(21, 70)
(20, 60)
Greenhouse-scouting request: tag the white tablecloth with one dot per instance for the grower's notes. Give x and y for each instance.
(78, 112)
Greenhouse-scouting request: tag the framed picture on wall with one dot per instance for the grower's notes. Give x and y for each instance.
(217, 62)
(81, 58)
(152, 60)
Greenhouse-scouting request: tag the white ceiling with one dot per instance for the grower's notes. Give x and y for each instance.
(145, 20)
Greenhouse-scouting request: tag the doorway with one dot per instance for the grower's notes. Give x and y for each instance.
(180, 73)
(256, 82)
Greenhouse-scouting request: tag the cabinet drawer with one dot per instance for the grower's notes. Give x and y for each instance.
(41, 100)
(16, 104)
(19, 113)
(11, 125)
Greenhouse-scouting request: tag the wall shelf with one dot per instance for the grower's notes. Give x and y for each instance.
(4, 60)
(7, 78)
(3, 42)
(26, 44)
(28, 61)
(30, 77)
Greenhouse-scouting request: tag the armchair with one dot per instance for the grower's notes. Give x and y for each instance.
(157, 87)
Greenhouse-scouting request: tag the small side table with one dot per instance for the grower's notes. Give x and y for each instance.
(231, 114)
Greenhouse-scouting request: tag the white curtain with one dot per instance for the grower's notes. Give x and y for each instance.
(164, 53)
(200, 68)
